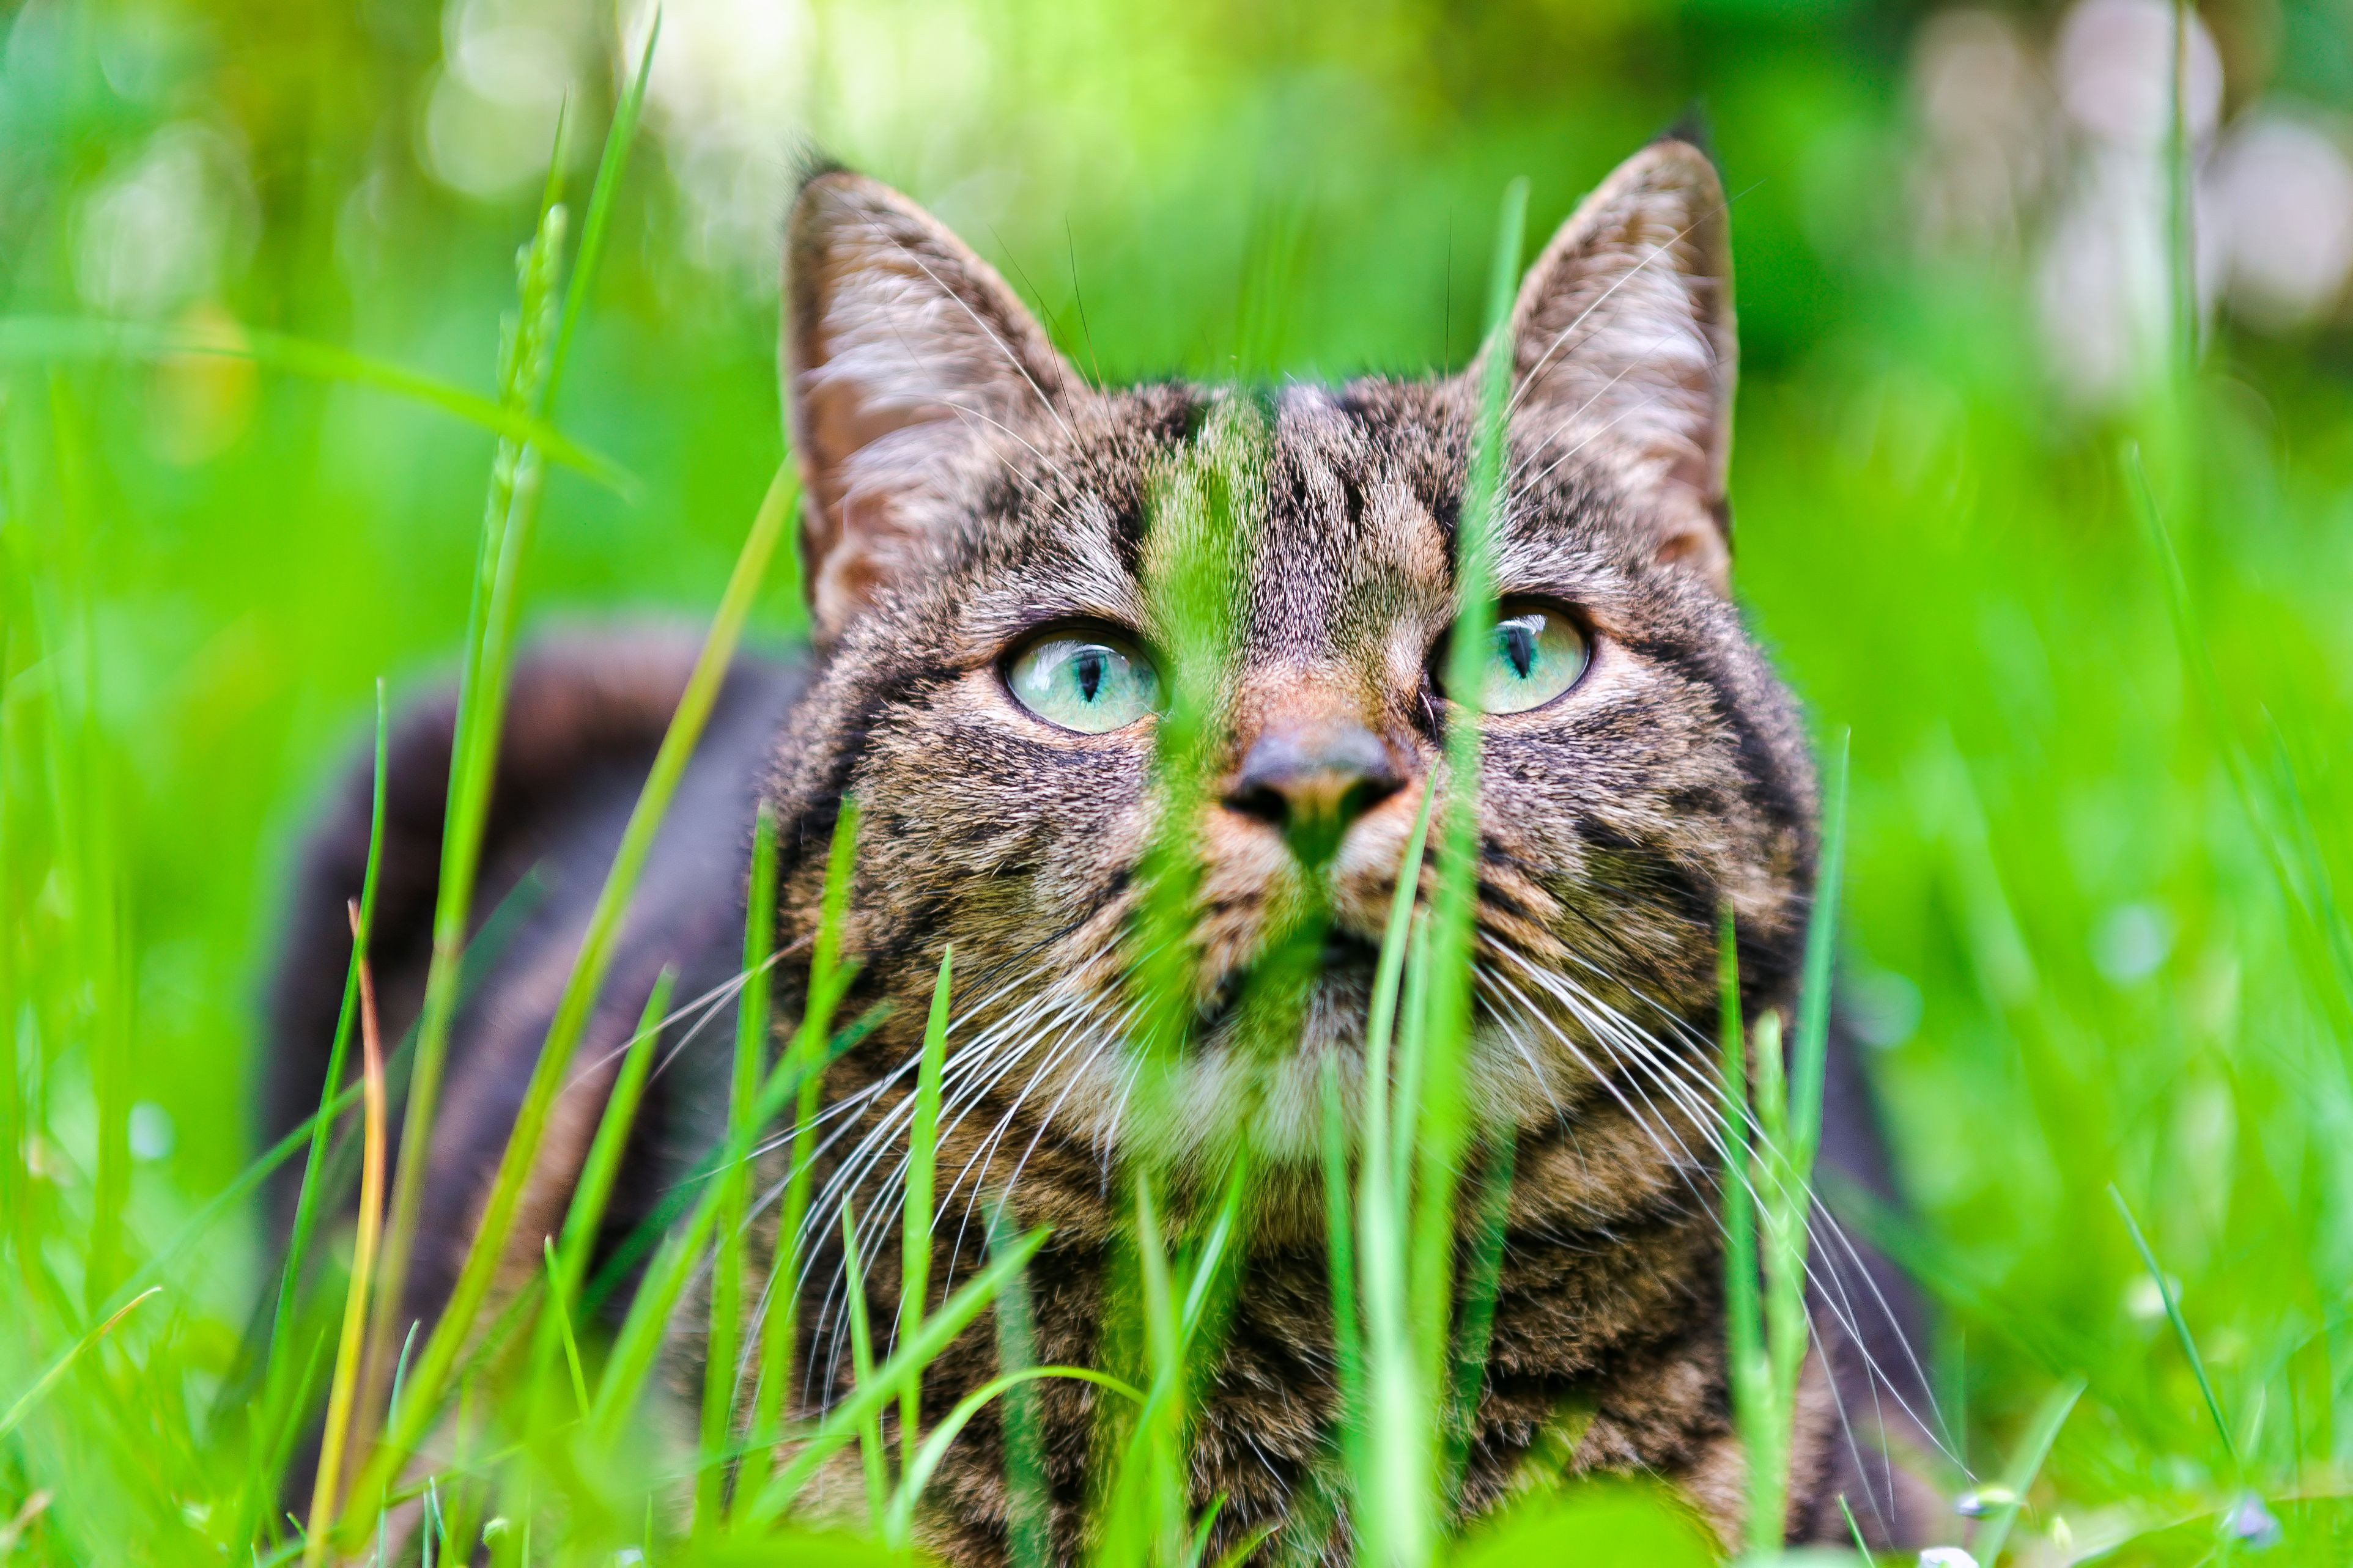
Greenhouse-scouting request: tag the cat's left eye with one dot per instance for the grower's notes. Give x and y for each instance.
(1090, 680)
(1536, 653)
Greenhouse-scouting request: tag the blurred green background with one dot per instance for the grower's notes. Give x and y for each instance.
(2093, 936)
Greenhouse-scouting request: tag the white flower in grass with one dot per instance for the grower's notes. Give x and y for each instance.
(1946, 1557)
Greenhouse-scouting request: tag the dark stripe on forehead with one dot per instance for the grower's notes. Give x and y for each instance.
(1419, 442)
(1166, 416)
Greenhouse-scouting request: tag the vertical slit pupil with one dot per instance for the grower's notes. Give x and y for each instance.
(1519, 646)
(1089, 667)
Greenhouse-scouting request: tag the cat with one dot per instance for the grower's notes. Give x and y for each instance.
(983, 529)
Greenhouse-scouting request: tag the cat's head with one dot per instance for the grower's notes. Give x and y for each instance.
(988, 547)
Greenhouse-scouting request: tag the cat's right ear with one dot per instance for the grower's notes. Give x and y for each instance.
(903, 350)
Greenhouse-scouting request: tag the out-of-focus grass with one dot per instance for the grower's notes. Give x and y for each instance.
(2096, 949)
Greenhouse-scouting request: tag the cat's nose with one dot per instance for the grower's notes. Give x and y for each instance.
(1312, 781)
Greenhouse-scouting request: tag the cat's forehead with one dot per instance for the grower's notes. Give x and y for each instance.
(1345, 529)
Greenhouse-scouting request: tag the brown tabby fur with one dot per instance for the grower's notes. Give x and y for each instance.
(966, 486)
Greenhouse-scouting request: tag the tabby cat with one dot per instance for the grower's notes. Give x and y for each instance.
(986, 679)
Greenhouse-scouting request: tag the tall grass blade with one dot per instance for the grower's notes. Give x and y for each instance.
(829, 980)
(560, 1315)
(1743, 1306)
(481, 719)
(916, 1210)
(2034, 1448)
(1030, 1521)
(619, 136)
(298, 1239)
(862, 1360)
(2181, 1326)
(587, 976)
(1340, 1249)
(728, 1263)
(37, 339)
(337, 1433)
(1816, 981)
(27, 1402)
(584, 1217)
(1477, 1326)
(919, 1350)
(925, 1460)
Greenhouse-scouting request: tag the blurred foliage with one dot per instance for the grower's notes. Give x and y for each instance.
(2073, 940)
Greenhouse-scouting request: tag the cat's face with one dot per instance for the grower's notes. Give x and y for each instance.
(991, 546)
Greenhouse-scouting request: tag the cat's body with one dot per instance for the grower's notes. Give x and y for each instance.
(971, 500)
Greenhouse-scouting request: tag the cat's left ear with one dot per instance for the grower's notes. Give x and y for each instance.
(904, 354)
(1623, 347)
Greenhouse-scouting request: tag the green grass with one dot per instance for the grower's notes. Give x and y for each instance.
(2098, 705)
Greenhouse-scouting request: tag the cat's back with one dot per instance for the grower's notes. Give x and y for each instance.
(586, 714)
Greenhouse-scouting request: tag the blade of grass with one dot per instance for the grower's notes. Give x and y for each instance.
(1478, 1317)
(27, 1402)
(1388, 975)
(918, 1350)
(861, 1361)
(1744, 1307)
(306, 1205)
(1439, 1128)
(586, 978)
(2034, 1448)
(1144, 1519)
(2181, 1326)
(926, 1459)
(1029, 1522)
(1380, 1221)
(584, 1216)
(1815, 985)
(1854, 1532)
(337, 1432)
(1340, 1249)
(619, 136)
(1781, 1201)
(39, 339)
(916, 1213)
(480, 720)
(562, 1318)
(728, 1260)
(529, 376)
(829, 980)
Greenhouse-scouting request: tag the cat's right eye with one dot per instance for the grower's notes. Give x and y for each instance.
(1090, 680)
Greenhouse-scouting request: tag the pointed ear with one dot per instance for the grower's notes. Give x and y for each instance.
(1624, 347)
(904, 354)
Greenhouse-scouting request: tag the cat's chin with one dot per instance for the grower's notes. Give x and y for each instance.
(1236, 1092)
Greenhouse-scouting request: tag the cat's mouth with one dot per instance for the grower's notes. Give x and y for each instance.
(1277, 987)
(1348, 955)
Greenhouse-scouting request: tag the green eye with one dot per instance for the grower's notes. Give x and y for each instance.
(1537, 653)
(1094, 682)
